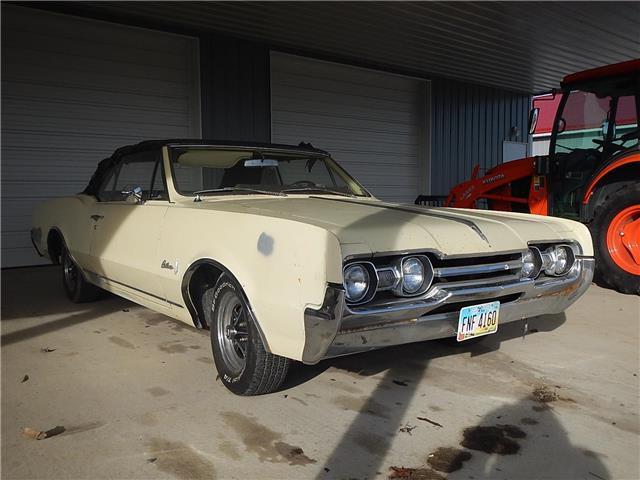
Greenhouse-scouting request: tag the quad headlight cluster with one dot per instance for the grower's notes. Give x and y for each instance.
(405, 277)
(554, 261)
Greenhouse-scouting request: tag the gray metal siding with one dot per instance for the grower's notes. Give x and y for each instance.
(234, 78)
(372, 122)
(73, 90)
(469, 124)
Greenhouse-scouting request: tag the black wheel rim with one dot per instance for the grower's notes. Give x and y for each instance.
(70, 272)
(232, 333)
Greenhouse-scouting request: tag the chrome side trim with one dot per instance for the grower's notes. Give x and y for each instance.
(97, 279)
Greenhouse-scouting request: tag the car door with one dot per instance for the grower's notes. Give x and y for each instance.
(127, 224)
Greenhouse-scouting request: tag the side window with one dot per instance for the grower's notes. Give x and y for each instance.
(141, 169)
(105, 193)
(159, 186)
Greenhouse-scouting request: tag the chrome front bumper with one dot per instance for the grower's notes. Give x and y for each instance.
(336, 329)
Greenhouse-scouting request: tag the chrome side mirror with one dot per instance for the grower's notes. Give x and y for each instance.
(533, 119)
(132, 192)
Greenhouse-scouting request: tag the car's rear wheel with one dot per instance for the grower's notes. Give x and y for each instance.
(244, 365)
(616, 240)
(76, 287)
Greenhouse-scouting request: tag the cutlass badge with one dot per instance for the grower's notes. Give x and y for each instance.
(167, 266)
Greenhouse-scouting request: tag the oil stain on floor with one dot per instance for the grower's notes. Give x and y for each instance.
(121, 342)
(496, 439)
(264, 442)
(158, 391)
(180, 460)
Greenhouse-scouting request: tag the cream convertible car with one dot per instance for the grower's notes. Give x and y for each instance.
(284, 256)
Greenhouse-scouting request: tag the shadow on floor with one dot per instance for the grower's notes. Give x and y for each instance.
(365, 442)
(526, 440)
(38, 291)
(411, 356)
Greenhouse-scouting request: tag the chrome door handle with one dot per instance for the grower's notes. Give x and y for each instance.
(96, 217)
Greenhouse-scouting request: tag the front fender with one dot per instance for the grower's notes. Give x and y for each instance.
(283, 266)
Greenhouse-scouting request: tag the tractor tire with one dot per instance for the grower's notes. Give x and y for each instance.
(615, 230)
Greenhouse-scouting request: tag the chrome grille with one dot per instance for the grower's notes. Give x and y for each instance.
(507, 270)
(451, 275)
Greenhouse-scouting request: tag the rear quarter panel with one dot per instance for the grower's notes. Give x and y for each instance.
(70, 216)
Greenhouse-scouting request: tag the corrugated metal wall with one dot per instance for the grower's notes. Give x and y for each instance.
(234, 76)
(73, 90)
(372, 122)
(469, 124)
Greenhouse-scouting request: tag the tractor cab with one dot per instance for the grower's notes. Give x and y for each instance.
(591, 173)
(596, 122)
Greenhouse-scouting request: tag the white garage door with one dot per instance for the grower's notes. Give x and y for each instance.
(373, 123)
(73, 90)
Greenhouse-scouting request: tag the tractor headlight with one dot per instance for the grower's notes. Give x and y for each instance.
(531, 263)
(356, 282)
(412, 275)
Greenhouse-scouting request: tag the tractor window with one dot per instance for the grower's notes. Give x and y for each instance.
(584, 119)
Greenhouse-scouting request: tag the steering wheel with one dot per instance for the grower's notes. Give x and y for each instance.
(624, 138)
(566, 148)
(304, 183)
(635, 133)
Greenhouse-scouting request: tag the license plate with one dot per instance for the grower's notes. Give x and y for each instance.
(478, 320)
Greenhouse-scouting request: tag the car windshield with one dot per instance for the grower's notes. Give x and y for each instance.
(205, 171)
(587, 119)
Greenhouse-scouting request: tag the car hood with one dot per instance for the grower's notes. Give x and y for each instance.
(370, 226)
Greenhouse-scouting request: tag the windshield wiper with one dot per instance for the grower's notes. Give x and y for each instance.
(235, 189)
(318, 189)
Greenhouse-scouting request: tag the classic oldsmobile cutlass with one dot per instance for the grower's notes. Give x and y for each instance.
(284, 256)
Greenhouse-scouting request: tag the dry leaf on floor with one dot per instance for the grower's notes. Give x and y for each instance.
(34, 434)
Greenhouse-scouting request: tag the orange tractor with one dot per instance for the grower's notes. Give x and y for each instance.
(591, 174)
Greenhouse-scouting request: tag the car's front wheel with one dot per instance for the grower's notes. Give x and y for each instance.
(244, 365)
(75, 285)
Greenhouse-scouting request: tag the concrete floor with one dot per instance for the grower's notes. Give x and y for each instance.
(137, 395)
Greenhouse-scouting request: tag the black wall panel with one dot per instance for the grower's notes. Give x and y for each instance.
(234, 77)
(468, 125)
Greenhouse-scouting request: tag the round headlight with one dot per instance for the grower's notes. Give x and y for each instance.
(531, 264)
(356, 282)
(412, 275)
(560, 260)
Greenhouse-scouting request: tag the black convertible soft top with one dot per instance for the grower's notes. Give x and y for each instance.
(104, 165)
